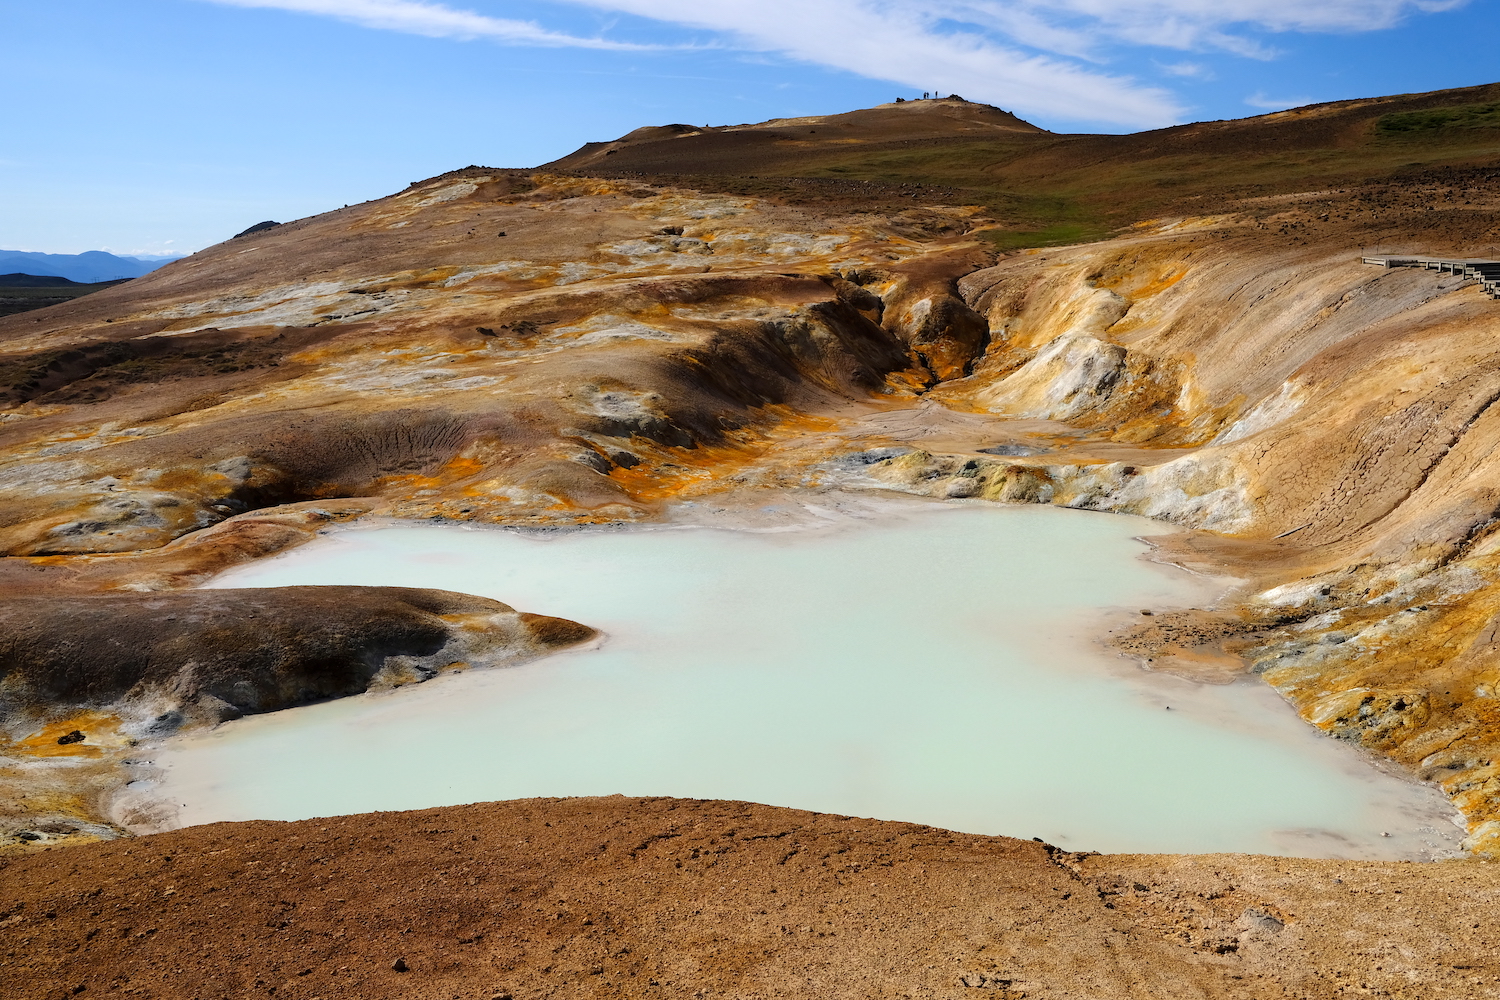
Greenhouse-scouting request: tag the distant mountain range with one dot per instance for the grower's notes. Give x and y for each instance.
(90, 266)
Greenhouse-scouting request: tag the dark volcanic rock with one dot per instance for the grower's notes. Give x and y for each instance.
(214, 654)
(259, 227)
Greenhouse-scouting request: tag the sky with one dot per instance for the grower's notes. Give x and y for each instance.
(164, 126)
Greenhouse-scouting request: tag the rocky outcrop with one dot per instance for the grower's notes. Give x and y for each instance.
(161, 660)
(922, 308)
(90, 682)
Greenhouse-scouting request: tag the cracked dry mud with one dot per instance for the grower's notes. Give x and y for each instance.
(550, 349)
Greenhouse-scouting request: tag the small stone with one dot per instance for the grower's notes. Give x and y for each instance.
(76, 736)
(399, 965)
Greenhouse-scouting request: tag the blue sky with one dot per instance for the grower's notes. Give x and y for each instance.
(161, 126)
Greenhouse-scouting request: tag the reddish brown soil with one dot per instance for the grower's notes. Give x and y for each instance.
(662, 897)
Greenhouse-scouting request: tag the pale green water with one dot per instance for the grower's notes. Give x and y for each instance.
(932, 666)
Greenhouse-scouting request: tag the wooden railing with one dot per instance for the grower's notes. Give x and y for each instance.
(1486, 272)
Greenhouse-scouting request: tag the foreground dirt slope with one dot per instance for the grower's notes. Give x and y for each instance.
(615, 897)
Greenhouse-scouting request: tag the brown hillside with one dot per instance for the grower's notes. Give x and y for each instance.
(783, 142)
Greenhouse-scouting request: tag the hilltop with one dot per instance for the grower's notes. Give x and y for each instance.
(1049, 188)
(782, 142)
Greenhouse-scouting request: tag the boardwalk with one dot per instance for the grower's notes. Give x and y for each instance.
(1486, 272)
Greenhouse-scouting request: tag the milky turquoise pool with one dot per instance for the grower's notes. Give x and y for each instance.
(934, 665)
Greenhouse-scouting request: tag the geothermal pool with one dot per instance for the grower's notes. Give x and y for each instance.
(936, 664)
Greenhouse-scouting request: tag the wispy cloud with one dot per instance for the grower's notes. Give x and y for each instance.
(435, 20)
(1207, 24)
(1260, 100)
(1191, 70)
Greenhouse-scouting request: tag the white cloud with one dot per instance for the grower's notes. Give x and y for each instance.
(434, 21)
(1031, 56)
(908, 44)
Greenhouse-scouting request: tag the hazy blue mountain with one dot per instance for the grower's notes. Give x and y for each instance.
(93, 265)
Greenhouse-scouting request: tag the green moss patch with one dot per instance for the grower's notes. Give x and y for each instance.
(1460, 116)
(1060, 234)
